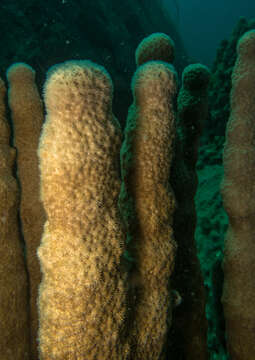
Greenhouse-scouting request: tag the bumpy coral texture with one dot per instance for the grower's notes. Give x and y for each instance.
(14, 330)
(146, 160)
(239, 201)
(157, 46)
(27, 117)
(188, 334)
(82, 299)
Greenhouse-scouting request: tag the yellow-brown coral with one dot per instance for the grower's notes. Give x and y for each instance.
(238, 194)
(82, 301)
(27, 117)
(14, 322)
(146, 161)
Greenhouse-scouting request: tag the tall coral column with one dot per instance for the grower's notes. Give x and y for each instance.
(238, 193)
(27, 117)
(82, 301)
(188, 334)
(14, 321)
(148, 203)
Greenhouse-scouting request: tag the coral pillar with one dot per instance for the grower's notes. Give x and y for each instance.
(27, 117)
(148, 203)
(14, 321)
(238, 194)
(82, 300)
(188, 334)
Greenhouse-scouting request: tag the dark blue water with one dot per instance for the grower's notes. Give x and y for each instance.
(204, 23)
